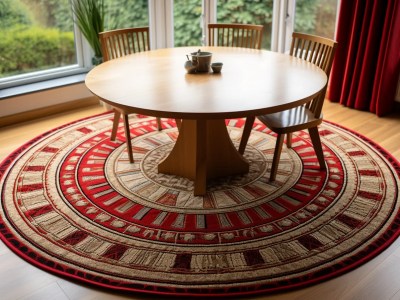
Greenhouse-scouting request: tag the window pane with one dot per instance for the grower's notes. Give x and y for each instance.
(258, 12)
(126, 13)
(35, 35)
(316, 17)
(38, 35)
(187, 23)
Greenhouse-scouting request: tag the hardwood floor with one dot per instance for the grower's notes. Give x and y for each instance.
(377, 279)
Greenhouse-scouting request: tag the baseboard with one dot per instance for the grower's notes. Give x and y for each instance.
(46, 111)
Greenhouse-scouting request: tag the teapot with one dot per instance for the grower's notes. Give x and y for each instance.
(191, 66)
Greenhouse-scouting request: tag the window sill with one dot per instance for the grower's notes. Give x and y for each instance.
(41, 86)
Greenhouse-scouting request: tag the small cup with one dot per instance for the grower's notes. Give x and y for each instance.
(216, 67)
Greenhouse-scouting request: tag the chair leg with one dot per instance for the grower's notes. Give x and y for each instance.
(117, 115)
(178, 123)
(246, 133)
(315, 139)
(128, 138)
(159, 126)
(289, 140)
(277, 155)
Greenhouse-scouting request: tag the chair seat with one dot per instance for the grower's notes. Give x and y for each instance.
(290, 120)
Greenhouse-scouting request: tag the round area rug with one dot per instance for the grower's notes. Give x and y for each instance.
(72, 204)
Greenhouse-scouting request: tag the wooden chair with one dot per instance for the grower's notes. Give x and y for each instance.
(235, 35)
(319, 51)
(118, 43)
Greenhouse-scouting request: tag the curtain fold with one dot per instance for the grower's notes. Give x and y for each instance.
(366, 69)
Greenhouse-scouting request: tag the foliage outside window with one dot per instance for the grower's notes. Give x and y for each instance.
(316, 17)
(187, 23)
(257, 12)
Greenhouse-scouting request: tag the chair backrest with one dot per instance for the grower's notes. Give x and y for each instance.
(319, 51)
(121, 42)
(235, 35)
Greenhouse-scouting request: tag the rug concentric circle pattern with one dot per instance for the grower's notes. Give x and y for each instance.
(72, 204)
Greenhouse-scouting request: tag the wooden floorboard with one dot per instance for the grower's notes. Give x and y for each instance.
(379, 279)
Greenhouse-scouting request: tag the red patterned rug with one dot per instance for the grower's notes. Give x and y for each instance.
(72, 204)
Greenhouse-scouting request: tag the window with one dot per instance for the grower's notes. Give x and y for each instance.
(316, 17)
(38, 39)
(35, 36)
(248, 12)
(279, 18)
(192, 16)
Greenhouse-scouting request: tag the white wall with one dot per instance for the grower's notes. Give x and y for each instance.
(31, 101)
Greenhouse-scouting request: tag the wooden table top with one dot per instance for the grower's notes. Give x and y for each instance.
(252, 82)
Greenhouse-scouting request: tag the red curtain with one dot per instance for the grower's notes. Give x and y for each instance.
(366, 69)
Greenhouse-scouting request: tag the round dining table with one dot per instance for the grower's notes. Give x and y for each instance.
(251, 83)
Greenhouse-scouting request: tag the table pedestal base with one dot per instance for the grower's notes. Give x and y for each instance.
(203, 151)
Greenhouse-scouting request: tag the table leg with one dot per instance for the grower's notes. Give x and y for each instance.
(203, 151)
